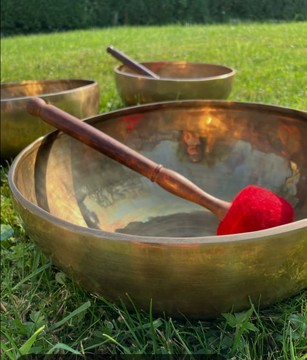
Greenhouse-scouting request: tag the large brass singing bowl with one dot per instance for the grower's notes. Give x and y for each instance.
(179, 80)
(116, 233)
(18, 128)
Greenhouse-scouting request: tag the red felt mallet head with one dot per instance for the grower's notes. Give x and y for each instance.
(255, 208)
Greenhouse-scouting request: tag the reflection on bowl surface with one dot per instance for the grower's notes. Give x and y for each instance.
(179, 80)
(18, 128)
(115, 232)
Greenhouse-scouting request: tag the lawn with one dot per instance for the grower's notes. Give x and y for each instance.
(42, 310)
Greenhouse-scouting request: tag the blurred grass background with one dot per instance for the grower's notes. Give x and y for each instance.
(270, 58)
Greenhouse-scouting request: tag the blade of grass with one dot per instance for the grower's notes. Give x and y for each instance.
(79, 310)
(152, 329)
(127, 319)
(7, 352)
(64, 347)
(182, 342)
(125, 349)
(26, 347)
(32, 275)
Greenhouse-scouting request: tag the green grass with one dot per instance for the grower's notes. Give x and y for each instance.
(270, 58)
(43, 311)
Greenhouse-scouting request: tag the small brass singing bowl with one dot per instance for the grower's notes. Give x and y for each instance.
(178, 80)
(18, 128)
(116, 233)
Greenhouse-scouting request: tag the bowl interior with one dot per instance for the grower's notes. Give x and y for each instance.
(37, 88)
(182, 70)
(219, 145)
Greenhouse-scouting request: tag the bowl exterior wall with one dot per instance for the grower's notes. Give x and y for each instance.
(19, 128)
(194, 280)
(141, 91)
(179, 81)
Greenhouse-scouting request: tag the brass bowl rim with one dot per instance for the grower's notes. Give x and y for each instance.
(231, 72)
(87, 83)
(161, 241)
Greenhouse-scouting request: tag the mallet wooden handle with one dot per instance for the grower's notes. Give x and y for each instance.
(87, 134)
(132, 64)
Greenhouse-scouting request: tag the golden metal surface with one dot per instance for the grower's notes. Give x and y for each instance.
(115, 232)
(18, 128)
(178, 81)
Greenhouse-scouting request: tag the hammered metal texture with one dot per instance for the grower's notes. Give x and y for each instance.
(116, 233)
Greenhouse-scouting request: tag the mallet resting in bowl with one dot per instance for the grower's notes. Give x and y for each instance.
(131, 63)
(254, 208)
